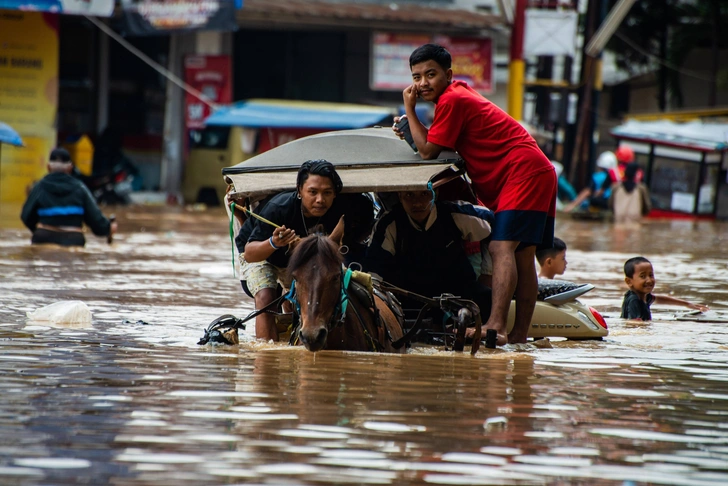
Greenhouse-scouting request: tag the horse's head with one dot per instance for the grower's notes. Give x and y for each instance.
(316, 267)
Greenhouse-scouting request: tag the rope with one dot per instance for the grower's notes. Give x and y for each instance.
(256, 216)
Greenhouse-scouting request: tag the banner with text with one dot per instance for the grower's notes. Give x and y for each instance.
(472, 60)
(28, 96)
(155, 17)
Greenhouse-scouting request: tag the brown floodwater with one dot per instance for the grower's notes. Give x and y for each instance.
(132, 400)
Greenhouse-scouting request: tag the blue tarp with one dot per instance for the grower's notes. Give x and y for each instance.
(9, 136)
(298, 114)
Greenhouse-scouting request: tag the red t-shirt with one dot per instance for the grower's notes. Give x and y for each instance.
(496, 148)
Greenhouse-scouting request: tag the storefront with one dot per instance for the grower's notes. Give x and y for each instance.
(685, 165)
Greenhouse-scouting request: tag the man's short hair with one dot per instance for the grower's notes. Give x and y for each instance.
(542, 255)
(631, 263)
(431, 52)
(60, 154)
(322, 168)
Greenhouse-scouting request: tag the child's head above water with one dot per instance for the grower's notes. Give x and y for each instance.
(639, 275)
(552, 260)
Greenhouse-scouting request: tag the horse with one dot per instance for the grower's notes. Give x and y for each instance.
(331, 316)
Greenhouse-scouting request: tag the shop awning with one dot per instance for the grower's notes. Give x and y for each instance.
(393, 16)
(299, 114)
(695, 135)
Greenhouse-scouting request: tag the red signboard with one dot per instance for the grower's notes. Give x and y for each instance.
(212, 76)
(472, 60)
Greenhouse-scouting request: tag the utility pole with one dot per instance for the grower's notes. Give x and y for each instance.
(577, 173)
(517, 66)
(594, 41)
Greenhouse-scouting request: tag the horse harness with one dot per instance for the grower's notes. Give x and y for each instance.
(348, 288)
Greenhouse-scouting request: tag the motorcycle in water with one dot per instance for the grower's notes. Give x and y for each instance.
(112, 188)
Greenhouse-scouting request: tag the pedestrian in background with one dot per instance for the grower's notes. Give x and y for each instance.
(59, 205)
(630, 200)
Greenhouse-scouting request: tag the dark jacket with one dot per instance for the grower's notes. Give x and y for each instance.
(428, 261)
(61, 200)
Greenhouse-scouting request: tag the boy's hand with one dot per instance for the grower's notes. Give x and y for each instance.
(396, 130)
(409, 96)
(700, 307)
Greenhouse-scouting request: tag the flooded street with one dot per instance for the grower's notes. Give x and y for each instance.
(132, 400)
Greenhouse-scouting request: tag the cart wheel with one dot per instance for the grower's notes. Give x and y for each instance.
(465, 318)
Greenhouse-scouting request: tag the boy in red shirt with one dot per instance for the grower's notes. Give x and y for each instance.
(510, 175)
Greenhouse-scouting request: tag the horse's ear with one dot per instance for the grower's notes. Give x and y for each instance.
(338, 234)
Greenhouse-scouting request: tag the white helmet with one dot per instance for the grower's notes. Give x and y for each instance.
(607, 160)
(558, 167)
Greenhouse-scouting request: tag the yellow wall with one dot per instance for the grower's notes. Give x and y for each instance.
(28, 96)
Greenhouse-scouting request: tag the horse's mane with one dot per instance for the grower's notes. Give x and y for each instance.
(307, 248)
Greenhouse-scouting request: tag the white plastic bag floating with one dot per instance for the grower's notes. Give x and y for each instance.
(67, 312)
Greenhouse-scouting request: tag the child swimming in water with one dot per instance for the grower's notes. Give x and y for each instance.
(640, 278)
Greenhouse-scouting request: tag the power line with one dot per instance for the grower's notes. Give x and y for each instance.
(659, 60)
(155, 65)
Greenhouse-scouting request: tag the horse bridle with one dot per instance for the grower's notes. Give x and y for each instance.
(339, 315)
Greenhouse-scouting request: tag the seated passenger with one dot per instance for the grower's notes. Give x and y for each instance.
(419, 246)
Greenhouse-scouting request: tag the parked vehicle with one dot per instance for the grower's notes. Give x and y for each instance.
(111, 188)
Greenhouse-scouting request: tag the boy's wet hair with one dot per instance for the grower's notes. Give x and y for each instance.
(542, 255)
(322, 168)
(631, 263)
(431, 52)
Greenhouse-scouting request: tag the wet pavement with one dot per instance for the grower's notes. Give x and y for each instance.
(130, 399)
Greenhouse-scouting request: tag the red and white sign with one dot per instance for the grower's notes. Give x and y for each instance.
(472, 60)
(211, 76)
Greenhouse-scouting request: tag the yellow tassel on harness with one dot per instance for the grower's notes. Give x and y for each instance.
(364, 279)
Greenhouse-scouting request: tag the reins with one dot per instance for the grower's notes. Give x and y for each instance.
(228, 321)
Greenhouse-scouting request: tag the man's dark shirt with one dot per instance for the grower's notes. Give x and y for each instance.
(634, 308)
(428, 261)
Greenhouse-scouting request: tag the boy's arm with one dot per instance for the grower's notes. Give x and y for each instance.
(92, 215)
(666, 299)
(427, 150)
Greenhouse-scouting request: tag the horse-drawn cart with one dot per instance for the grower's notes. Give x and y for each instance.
(376, 161)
